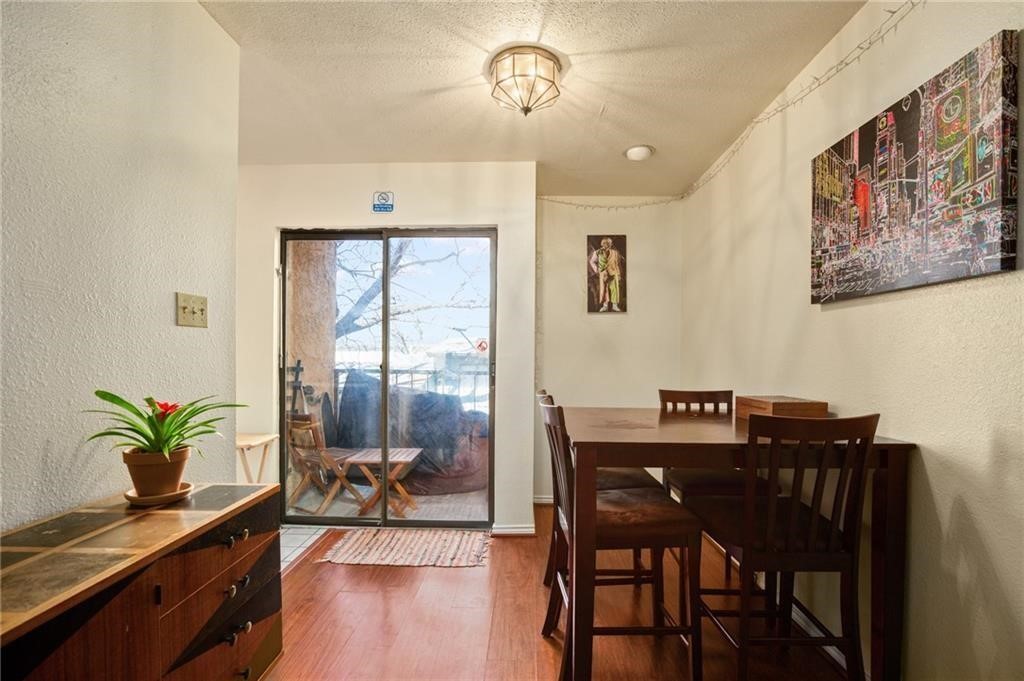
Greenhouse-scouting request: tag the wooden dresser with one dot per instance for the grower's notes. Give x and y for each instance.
(186, 591)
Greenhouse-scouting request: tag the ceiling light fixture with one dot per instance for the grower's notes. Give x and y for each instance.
(641, 152)
(525, 78)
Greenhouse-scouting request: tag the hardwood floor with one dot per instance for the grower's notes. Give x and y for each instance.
(448, 624)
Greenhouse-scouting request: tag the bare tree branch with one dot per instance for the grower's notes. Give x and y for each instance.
(364, 309)
(347, 323)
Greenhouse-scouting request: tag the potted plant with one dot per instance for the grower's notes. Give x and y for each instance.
(159, 437)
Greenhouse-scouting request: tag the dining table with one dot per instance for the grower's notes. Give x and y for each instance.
(648, 437)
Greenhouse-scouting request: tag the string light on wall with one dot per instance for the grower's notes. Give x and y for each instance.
(895, 16)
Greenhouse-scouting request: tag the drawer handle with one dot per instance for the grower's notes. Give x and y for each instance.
(232, 638)
(233, 590)
(232, 538)
(245, 673)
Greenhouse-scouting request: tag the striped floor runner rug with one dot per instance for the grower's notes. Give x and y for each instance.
(436, 548)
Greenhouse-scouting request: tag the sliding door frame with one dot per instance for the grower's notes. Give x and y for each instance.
(384, 236)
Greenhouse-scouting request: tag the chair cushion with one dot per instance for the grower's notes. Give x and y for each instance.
(706, 482)
(625, 478)
(723, 519)
(636, 518)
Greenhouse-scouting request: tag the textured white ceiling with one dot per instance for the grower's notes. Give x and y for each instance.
(350, 82)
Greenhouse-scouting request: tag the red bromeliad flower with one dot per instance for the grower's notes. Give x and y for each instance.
(166, 409)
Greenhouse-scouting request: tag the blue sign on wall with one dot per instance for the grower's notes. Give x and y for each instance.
(383, 202)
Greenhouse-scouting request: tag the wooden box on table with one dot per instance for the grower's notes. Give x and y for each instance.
(779, 405)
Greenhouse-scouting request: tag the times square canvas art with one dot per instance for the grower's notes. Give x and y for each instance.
(926, 191)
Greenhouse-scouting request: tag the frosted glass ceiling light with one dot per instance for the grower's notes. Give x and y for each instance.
(525, 78)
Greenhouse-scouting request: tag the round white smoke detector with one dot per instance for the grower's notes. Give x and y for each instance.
(641, 152)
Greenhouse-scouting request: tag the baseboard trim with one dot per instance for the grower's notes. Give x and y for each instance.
(514, 531)
(813, 627)
(544, 499)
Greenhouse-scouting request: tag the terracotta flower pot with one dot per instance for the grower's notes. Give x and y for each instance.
(152, 473)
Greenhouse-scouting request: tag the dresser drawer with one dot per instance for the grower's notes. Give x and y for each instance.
(99, 603)
(241, 646)
(187, 569)
(208, 609)
(113, 636)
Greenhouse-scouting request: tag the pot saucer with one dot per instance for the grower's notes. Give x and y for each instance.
(183, 491)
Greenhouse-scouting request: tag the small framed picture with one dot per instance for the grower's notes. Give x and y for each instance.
(606, 273)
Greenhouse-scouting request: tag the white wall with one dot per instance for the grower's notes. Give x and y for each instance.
(120, 136)
(429, 194)
(605, 359)
(944, 365)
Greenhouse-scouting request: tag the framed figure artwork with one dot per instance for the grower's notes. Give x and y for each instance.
(606, 273)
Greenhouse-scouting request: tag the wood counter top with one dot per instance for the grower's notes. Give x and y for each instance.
(53, 564)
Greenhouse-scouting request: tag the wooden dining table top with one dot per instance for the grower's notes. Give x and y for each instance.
(639, 427)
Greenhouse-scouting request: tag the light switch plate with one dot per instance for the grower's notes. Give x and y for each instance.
(191, 310)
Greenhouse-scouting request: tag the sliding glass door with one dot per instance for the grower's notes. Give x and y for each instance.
(439, 368)
(392, 327)
(331, 396)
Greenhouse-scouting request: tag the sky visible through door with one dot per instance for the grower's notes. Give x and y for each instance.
(440, 309)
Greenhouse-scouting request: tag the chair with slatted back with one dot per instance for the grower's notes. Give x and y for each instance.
(694, 481)
(687, 482)
(781, 533)
(317, 463)
(304, 458)
(607, 478)
(637, 519)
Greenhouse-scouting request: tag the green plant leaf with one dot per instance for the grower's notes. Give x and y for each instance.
(122, 444)
(202, 424)
(184, 413)
(108, 396)
(137, 442)
(128, 421)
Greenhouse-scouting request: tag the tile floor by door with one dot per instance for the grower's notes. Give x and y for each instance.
(295, 539)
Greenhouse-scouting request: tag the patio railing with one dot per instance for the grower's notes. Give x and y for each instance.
(471, 385)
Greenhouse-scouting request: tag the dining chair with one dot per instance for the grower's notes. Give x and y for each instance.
(780, 533)
(688, 482)
(696, 481)
(639, 518)
(607, 478)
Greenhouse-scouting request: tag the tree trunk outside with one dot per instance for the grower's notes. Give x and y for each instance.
(311, 310)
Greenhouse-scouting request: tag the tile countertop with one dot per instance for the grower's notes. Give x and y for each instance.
(54, 563)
